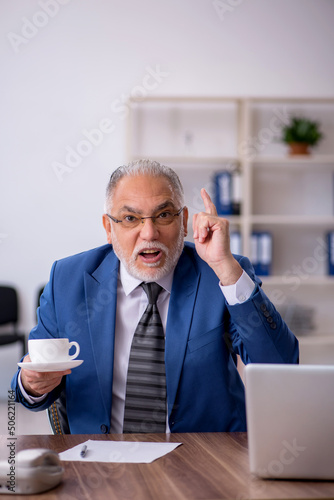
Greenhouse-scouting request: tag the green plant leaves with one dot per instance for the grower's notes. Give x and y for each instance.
(302, 130)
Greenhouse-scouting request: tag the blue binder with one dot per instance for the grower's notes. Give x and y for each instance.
(223, 193)
(261, 247)
(330, 243)
(235, 243)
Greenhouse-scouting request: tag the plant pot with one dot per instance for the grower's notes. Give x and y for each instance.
(299, 148)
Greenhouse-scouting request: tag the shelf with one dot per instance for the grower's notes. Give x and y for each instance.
(260, 160)
(292, 220)
(233, 219)
(188, 162)
(311, 159)
(184, 99)
(290, 196)
(318, 339)
(309, 281)
(265, 161)
(316, 349)
(249, 99)
(292, 100)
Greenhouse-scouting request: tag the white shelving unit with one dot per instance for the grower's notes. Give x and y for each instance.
(292, 197)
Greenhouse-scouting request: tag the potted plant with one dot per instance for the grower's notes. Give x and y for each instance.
(300, 134)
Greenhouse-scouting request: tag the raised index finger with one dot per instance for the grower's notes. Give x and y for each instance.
(210, 207)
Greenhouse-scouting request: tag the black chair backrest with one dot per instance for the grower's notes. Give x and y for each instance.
(8, 305)
(39, 293)
(57, 414)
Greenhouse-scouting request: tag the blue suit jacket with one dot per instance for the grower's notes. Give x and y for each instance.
(203, 335)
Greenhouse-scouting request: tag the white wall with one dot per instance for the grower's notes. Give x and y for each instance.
(85, 57)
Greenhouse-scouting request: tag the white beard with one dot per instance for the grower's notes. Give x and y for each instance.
(172, 256)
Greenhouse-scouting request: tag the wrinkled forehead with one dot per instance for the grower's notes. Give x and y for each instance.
(144, 193)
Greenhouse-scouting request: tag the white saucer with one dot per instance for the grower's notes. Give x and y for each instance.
(57, 366)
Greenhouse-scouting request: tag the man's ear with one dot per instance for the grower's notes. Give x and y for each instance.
(185, 221)
(107, 226)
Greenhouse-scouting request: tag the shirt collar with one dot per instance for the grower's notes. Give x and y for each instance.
(129, 282)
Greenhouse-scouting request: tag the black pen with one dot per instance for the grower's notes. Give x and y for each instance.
(83, 451)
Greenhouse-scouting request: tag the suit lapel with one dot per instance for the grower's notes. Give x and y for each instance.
(101, 297)
(180, 313)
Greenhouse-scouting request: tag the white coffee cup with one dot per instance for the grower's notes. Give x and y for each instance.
(51, 350)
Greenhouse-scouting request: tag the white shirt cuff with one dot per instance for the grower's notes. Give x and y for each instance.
(240, 291)
(30, 399)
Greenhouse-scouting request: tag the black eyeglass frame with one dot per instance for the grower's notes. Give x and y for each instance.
(142, 219)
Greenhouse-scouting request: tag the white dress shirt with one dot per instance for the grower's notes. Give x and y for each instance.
(131, 304)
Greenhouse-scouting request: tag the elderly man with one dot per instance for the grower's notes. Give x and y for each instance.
(205, 307)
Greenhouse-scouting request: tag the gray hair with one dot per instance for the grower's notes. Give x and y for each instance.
(144, 167)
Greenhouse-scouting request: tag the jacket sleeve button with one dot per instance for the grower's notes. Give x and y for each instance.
(104, 429)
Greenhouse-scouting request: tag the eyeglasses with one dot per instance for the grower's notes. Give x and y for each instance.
(162, 219)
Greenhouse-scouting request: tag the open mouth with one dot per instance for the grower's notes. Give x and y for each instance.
(150, 255)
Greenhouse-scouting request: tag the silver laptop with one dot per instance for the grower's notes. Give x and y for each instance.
(290, 420)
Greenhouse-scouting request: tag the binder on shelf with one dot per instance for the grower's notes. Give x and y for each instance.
(223, 193)
(254, 254)
(235, 243)
(228, 192)
(261, 252)
(330, 243)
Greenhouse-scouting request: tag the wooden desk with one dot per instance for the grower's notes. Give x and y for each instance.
(207, 466)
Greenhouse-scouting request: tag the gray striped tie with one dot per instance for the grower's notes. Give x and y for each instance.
(145, 400)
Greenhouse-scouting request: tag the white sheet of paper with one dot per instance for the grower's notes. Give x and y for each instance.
(118, 451)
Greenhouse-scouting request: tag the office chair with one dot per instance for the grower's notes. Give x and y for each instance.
(39, 293)
(9, 314)
(57, 415)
